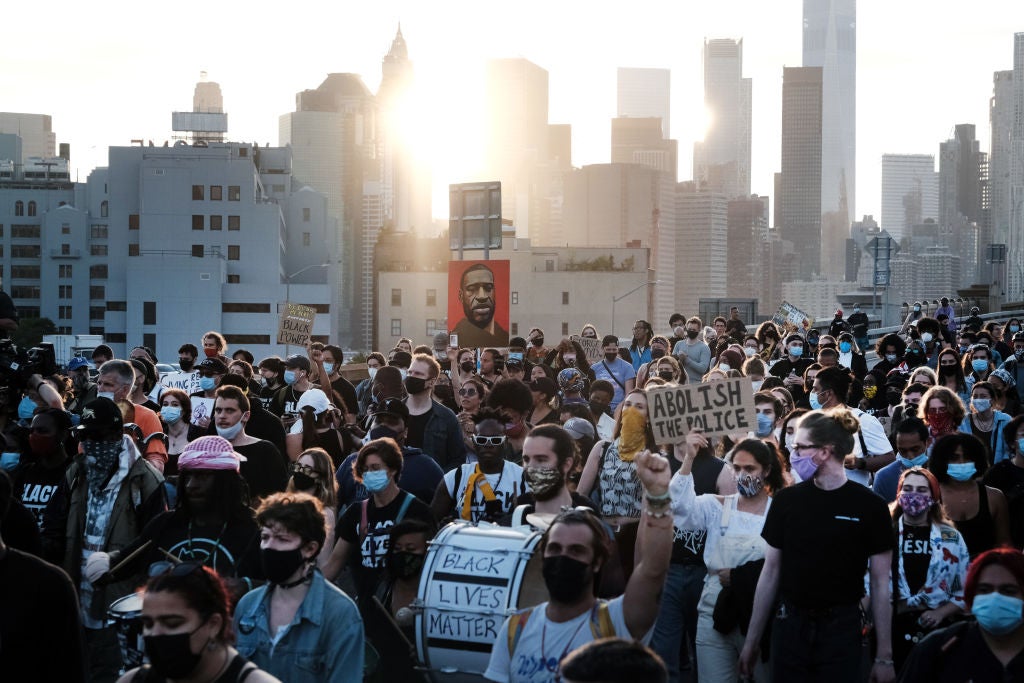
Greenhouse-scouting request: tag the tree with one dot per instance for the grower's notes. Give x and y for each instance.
(30, 332)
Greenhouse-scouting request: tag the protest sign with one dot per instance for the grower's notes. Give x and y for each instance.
(715, 408)
(355, 372)
(186, 381)
(591, 347)
(296, 324)
(788, 314)
(201, 408)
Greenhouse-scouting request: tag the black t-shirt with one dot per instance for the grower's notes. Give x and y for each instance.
(369, 563)
(826, 538)
(41, 636)
(284, 401)
(265, 470)
(916, 549)
(1009, 479)
(347, 392)
(417, 425)
(958, 653)
(688, 544)
(36, 484)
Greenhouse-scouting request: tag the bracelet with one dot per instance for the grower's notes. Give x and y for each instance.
(657, 515)
(660, 503)
(664, 496)
(884, 662)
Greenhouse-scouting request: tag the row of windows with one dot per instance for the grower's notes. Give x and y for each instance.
(217, 193)
(234, 252)
(19, 208)
(396, 297)
(216, 222)
(435, 326)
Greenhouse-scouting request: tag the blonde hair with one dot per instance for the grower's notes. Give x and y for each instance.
(836, 426)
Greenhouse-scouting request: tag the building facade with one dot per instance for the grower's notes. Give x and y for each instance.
(721, 162)
(910, 192)
(645, 93)
(800, 199)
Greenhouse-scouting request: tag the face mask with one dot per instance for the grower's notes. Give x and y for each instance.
(328, 368)
(1019, 353)
(10, 460)
(919, 461)
(382, 432)
(657, 353)
(940, 423)
(667, 375)
(812, 398)
(796, 351)
(610, 357)
(981, 404)
(926, 337)
(406, 565)
(467, 366)
(170, 414)
(1014, 328)
(565, 578)
(403, 372)
(789, 440)
(765, 423)
(230, 433)
(26, 408)
(856, 309)
(749, 350)
(599, 408)
(845, 347)
(100, 458)
(42, 444)
(280, 565)
(571, 360)
(804, 466)
(748, 485)
(210, 353)
(105, 394)
(914, 503)
(207, 383)
(891, 357)
(186, 364)
(1020, 446)
(303, 482)
(515, 430)
(443, 392)
(692, 334)
(171, 656)
(997, 613)
(917, 309)
(538, 342)
(961, 471)
(372, 372)
(545, 482)
(415, 385)
(376, 481)
(979, 364)
(289, 377)
(813, 341)
(756, 385)
(870, 392)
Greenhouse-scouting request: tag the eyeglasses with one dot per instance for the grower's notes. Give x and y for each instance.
(177, 570)
(488, 440)
(805, 447)
(305, 469)
(467, 392)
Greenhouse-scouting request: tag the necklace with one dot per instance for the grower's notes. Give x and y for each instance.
(568, 645)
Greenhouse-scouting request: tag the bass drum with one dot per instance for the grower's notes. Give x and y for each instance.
(473, 578)
(125, 614)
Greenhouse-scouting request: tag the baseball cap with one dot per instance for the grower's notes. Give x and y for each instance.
(393, 406)
(315, 399)
(210, 453)
(1017, 337)
(214, 365)
(297, 361)
(579, 428)
(99, 416)
(78, 362)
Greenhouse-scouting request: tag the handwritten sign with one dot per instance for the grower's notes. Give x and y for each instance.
(790, 315)
(186, 381)
(715, 408)
(201, 408)
(296, 324)
(591, 347)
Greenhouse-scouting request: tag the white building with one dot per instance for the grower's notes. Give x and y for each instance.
(644, 93)
(910, 192)
(721, 162)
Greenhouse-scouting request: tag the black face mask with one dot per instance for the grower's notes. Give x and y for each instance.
(415, 385)
(667, 376)
(406, 565)
(383, 431)
(893, 397)
(186, 364)
(539, 341)
(279, 565)
(443, 393)
(598, 408)
(171, 656)
(565, 578)
(657, 353)
(692, 334)
(303, 482)
(467, 366)
(610, 357)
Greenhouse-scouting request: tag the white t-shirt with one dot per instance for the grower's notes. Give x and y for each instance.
(874, 439)
(543, 643)
(605, 427)
(507, 485)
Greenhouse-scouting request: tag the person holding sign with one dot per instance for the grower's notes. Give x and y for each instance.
(532, 643)
(734, 550)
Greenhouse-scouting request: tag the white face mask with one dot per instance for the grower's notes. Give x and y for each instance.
(373, 372)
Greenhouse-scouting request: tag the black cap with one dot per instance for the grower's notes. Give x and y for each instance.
(214, 365)
(401, 359)
(393, 406)
(1017, 337)
(518, 342)
(100, 416)
(297, 360)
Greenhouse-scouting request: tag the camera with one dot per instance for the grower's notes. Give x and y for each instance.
(16, 366)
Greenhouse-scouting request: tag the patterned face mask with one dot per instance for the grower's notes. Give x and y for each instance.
(914, 503)
(748, 485)
(100, 459)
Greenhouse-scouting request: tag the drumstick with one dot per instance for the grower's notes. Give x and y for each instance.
(128, 560)
(170, 557)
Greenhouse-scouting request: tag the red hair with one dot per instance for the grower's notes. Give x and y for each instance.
(933, 483)
(1010, 558)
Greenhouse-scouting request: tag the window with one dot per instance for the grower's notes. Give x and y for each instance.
(233, 279)
(64, 313)
(97, 312)
(305, 214)
(25, 292)
(514, 329)
(104, 209)
(97, 250)
(198, 222)
(305, 239)
(197, 193)
(149, 313)
(1, 230)
(25, 231)
(396, 327)
(96, 329)
(65, 271)
(549, 265)
(64, 292)
(565, 329)
(65, 228)
(431, 297)
(19, 208)
(197, 250)
(117, 305)
(98, 272)
(63, 329)
(277, 189)
(244, 308)
(234, 193)
(216, 192)
(133, 249)
(216, 222)
(133, 221)
(565, 298)
(25, 250)
(98, 292)
(515, 298)
(28, 311)
(234, 222)
(98, 232)
(431, 327)
(234, 252)
(31, 208)
(25, 272)
(149, 340)
(116, 338)
(396, 297)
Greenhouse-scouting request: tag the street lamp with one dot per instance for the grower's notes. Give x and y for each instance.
(288, 290)
(616, 299)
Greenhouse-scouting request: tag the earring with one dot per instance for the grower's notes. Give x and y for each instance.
(211, 645)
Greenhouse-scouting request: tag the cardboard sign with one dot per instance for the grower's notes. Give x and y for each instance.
(355, 372)
(201, 407)
(790, 315)
(186, 381)
(715, 408)
(296, 324)
(591, 347)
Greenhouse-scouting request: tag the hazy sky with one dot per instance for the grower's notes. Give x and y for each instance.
(111, 71)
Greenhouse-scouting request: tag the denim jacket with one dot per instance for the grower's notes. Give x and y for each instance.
(996, 444)
(323, 644)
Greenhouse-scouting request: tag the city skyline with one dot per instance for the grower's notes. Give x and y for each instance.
(910, 94)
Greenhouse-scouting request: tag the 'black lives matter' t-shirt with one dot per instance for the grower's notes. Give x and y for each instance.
(370, 566)
(826, 538)
(37, 485)
(916, 550)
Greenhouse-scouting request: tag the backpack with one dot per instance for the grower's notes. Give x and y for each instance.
(601, 625)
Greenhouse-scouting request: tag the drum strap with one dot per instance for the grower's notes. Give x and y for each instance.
(478, 478)
(601, 624)
(364, 526)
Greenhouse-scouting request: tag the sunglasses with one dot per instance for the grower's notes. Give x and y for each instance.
(305, 469)
(177, 570)
(467, 392)
(488, 440)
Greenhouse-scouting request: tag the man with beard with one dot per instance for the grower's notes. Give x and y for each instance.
(476, 292)
(431, 426)
(85, 388)
(532, 642)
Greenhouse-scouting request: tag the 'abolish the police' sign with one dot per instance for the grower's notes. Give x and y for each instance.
(715, 408)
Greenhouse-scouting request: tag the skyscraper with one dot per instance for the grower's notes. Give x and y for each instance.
(721, 162)
(638, 141)
(962, 170)
(1016, 190)
(830, 42)
(36, 131)
(801, 195)
(644, 93)
(910, 192)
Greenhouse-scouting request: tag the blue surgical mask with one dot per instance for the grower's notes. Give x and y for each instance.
(813, 399)
(1020, 446)
(170, 414)
(8, 461)
(207, 383)
(961, 471)
(981, 404)
(979, 364)
(919, 461)
(845, 347)
(328, 368)
(230, 433)
(796, 351)
(289, 377)
(105, 394)
(891, 357)
(376, 481)
(1014, 328)
(997, 613)
(765, 423)
(26, 408)
(926, 337)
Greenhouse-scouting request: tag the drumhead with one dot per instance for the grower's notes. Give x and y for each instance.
(128, 606)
